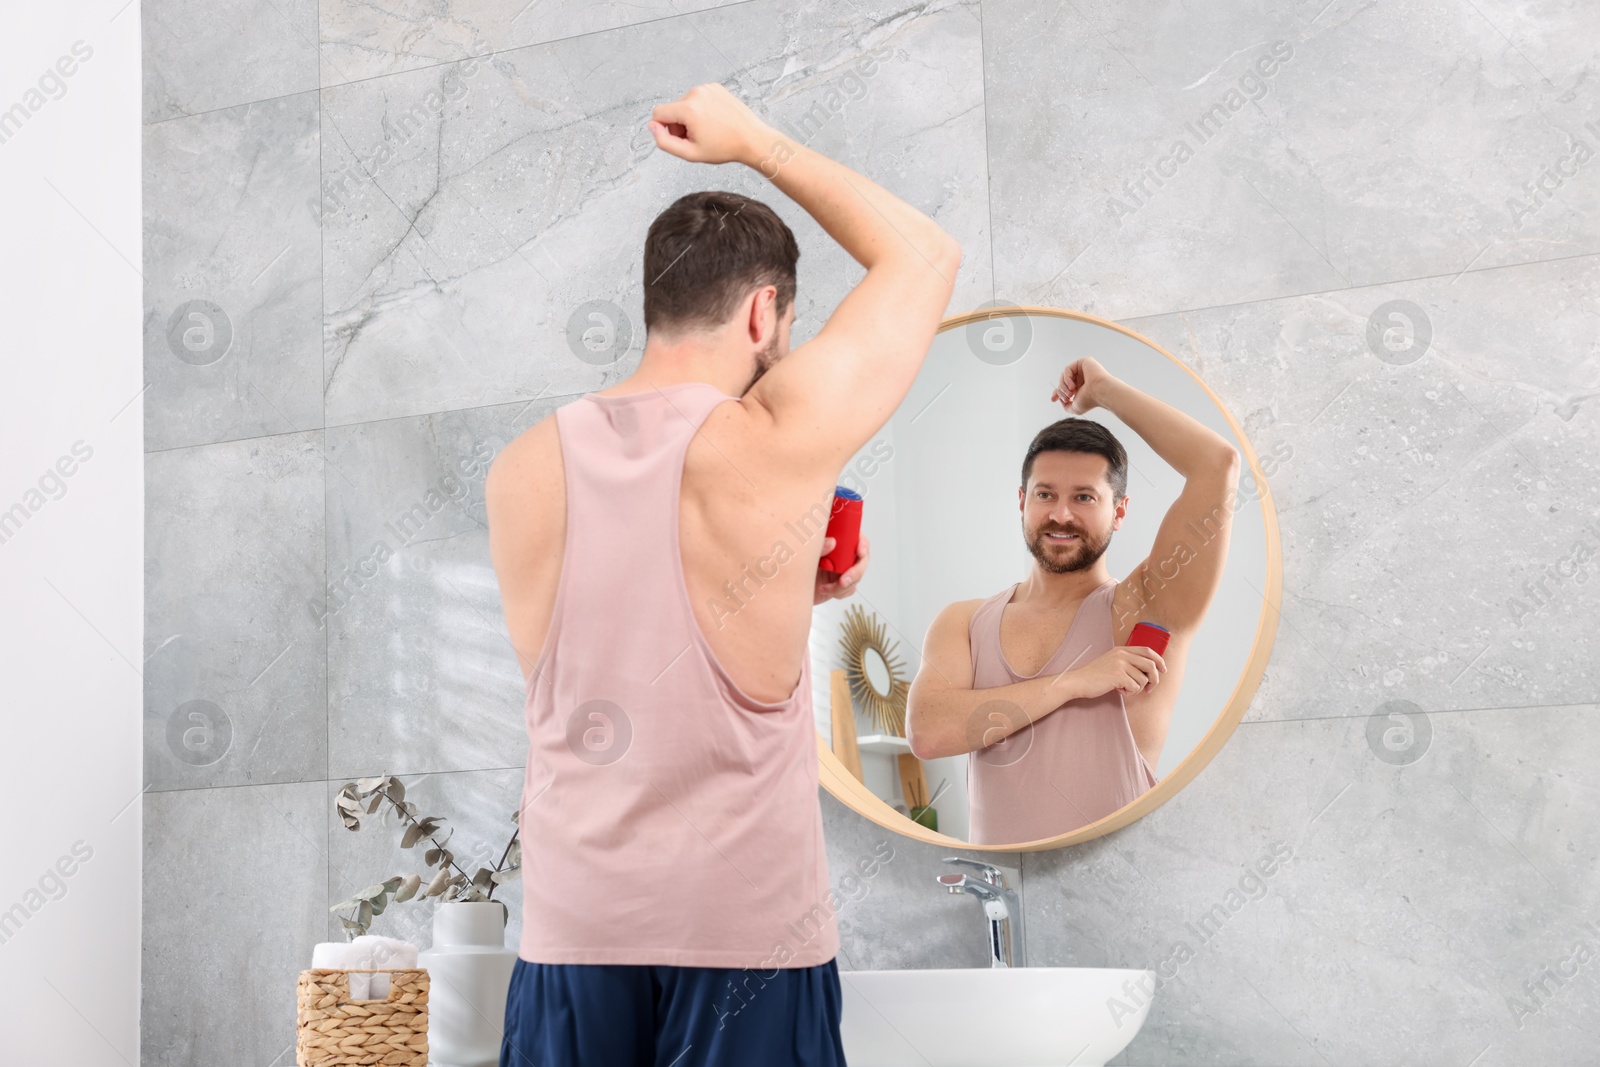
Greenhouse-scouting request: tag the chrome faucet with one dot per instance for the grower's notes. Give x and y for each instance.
(1000, 906)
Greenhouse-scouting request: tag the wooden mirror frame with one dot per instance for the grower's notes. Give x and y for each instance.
(853, 793)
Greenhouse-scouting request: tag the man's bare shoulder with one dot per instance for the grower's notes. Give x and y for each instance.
(741, 453)
(947, 649)
(529, 461)
(958, 614)
(533, 457)
(787, 451)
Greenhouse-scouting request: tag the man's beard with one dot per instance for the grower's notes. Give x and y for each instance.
(1058, 558)
(764, 362)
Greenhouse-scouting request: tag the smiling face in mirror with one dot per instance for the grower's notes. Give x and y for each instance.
(1069, 506)
(1070, 527)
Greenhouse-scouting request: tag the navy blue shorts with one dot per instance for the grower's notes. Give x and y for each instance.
(636, 1015)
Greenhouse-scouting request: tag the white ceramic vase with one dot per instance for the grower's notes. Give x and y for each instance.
(469, 971)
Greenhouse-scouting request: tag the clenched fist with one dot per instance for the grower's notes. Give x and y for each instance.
(708, 124)
(1080, 384)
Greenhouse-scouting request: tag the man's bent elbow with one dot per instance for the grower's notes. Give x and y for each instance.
(924, 743)
(917, 737)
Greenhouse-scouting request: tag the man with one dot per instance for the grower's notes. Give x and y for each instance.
(1064, 721)
(676, 906)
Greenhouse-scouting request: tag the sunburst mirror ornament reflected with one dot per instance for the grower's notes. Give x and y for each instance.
(876, 675)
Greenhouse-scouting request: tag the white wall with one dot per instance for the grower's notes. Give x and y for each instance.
(71, 533)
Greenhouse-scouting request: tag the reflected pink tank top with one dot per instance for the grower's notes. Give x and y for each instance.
(667, 818)
(1073, 766)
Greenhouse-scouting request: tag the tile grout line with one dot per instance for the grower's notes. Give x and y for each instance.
(1432, 713)
(322, 391)
(624, 27)
(341, 779)
(1385, 282)
(988, 162)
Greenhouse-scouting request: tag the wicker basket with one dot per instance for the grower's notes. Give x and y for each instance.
(335, 1031)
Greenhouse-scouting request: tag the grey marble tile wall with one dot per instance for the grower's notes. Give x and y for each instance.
(1372, 229)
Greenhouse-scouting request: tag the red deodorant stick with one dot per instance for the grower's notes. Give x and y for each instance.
(844, 526)
(1151, 636)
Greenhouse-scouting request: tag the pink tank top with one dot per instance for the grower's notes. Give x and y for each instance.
(1080, 762)
(668, 818)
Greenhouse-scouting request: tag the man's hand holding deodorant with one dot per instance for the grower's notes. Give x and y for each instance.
(844, 549)
(1152, 636)
(1132, 668)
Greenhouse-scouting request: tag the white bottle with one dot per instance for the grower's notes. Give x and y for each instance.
(469, 972)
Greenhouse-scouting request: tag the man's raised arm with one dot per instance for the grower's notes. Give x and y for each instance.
(1191, 546)
(830, 395)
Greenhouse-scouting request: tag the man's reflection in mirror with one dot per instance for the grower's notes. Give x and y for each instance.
(1062, 720)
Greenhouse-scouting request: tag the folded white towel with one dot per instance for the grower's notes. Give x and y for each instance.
(367, 952)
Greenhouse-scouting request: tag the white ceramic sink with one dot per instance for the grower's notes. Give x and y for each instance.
(991, 1017)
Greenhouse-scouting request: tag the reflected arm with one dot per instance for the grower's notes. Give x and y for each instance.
(946, 716)
(1176, 582)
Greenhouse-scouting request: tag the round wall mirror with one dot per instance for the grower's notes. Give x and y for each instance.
(1145, 519)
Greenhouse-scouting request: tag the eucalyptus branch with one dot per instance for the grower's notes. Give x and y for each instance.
(449, 857)
(502, 861)
(450, 883)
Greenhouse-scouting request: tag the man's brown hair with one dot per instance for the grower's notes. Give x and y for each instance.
(1082, 435)
(705, 253)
